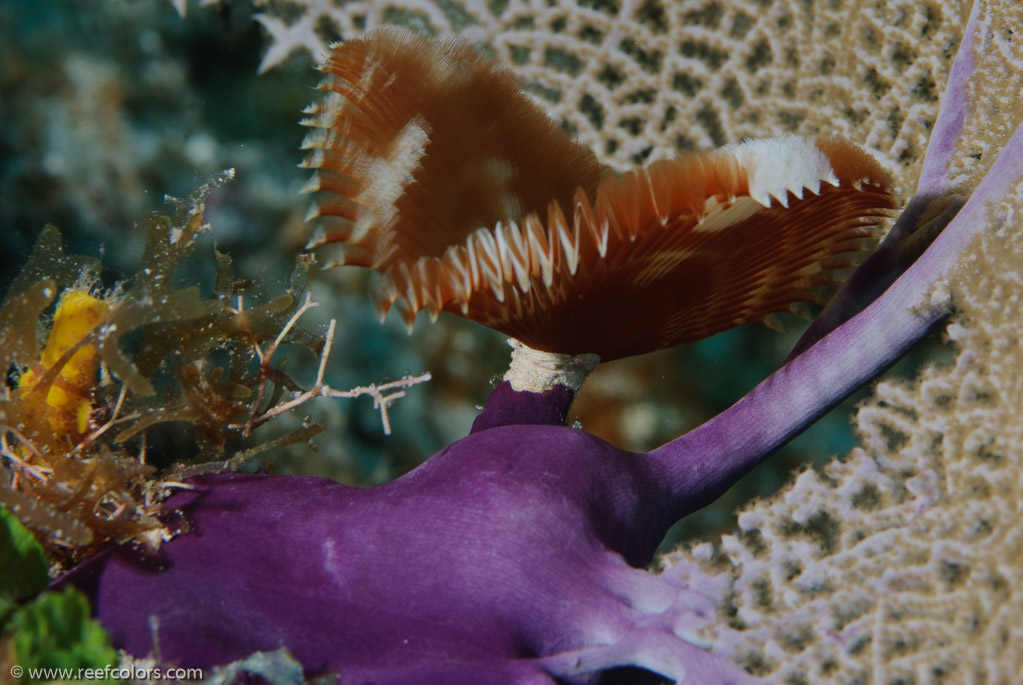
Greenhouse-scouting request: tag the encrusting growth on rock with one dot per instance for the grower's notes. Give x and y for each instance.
(438, 173)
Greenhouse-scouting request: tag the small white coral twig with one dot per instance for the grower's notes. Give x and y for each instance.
(382, 394)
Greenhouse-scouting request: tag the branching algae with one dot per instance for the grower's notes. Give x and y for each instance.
(78, 404)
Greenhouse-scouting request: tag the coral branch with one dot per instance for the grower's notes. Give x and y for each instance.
(381, 400)
(382, 397)
(944, 140)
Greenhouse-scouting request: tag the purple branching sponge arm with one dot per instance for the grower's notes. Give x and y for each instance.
(942, 145)
(927, 213)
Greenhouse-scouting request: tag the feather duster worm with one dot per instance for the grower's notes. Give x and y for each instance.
(438, 173)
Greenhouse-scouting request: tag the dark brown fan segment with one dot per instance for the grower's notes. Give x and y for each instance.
(438, 173)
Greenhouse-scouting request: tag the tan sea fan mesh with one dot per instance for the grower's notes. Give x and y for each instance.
(638, 81)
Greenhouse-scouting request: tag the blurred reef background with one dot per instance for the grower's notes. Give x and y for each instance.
(106, 106)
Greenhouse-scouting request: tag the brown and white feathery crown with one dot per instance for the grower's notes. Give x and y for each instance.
(439, 174)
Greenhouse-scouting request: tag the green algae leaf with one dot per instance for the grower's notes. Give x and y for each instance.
(23, 568)
(57, 630)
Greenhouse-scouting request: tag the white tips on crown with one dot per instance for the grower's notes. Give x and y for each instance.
(313, 212)
(513, 254)
(311, 186)
(315, 140)
(567, 239)
(489, 263)
(776, 167)
(319, 237)
(541, 260)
